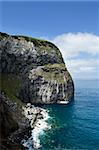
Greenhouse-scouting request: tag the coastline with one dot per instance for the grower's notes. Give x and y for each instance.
(38, 118)
(38, 121)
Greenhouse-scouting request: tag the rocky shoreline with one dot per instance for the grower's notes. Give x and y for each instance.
(38, 121)
(32, 72)
(14, 126)
(21, 127)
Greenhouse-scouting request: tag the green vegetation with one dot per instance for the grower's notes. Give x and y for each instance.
(60, 66)
(37, 42)
(10, 84)
(43, 45)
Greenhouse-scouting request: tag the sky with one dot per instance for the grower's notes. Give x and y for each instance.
(73, 26)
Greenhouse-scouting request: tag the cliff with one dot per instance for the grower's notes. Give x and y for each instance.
(31, 71)
(34, 70)
(14, 126)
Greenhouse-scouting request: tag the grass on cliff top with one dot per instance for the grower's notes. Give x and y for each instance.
(36, 41)
(28, 38)
(43, 45)
(10, 85)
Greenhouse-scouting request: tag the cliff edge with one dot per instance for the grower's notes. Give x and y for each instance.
(33, 70)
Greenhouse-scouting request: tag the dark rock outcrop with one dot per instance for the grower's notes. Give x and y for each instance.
(8, 124)
(13, 125)
(40, 67)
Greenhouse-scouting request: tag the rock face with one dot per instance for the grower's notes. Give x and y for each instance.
(13, 125)
(40, 67)
(7, 123)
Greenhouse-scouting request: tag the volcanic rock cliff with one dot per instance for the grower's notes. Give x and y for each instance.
(14, 126)
(33, 70)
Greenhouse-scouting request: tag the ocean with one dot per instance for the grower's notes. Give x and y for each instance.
(74, 126)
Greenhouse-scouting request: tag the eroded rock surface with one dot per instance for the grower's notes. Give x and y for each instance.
(14, 126)
(40, 67)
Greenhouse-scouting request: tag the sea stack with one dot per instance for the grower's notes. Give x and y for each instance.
(38, 69)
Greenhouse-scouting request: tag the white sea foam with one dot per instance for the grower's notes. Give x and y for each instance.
(63, 102)
(40, 126)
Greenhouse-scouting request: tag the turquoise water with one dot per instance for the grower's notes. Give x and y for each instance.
(76, 125)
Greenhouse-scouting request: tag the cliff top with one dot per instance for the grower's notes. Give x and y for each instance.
(36, 41)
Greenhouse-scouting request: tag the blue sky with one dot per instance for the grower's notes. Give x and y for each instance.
(58, 22)
(49, 18)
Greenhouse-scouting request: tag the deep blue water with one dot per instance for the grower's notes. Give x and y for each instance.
(76, 125)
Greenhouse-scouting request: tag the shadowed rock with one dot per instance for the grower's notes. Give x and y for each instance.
(40, 68)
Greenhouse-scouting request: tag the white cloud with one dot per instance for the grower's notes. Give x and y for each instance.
(73, 45)
(85, 68)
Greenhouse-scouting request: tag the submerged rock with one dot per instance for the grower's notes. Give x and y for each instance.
(40, 68)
